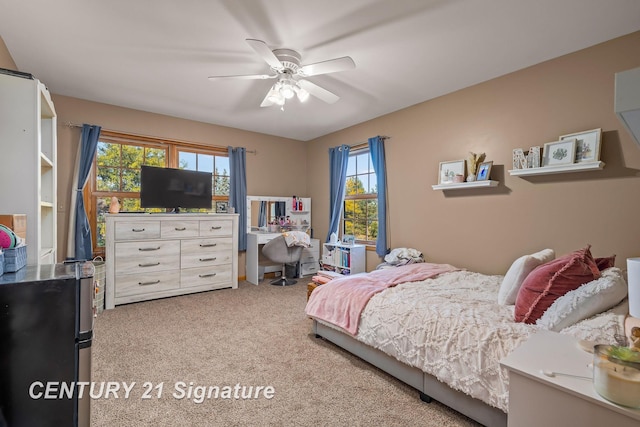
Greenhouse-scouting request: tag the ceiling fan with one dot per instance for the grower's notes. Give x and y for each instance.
(286, 67)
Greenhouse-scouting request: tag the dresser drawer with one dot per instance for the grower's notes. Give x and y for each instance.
(179, 229)
(137, 230)
(146, 256)
(311, 253)
(201, 252)
(216, 227)
(206, 276)
(309, 268)
(147, 283)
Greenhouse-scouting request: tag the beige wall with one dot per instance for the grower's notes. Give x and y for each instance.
(486, 229)
(264, 174)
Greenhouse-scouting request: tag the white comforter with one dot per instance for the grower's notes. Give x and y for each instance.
(452, 328)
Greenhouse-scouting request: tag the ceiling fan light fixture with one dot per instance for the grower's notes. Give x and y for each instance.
(303, 95)
(275, 96)
(287, 90)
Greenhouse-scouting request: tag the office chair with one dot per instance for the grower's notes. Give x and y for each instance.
(277, 251)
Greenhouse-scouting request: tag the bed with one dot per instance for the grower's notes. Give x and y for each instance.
(443, 331)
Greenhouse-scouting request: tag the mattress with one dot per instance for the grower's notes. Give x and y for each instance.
(452, 328)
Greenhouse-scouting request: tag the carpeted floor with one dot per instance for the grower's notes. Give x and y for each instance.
(253, 336)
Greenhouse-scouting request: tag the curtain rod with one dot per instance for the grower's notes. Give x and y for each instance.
(75, 125)
(363, 143)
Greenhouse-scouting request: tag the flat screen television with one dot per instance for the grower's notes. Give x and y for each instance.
(174, 188)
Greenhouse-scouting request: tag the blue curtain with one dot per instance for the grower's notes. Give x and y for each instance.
(238, 191)
(338, 161)
(88, 146)
(262, 214)
(376, 149)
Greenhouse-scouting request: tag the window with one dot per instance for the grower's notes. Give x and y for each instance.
(360, 217)
(116, 172)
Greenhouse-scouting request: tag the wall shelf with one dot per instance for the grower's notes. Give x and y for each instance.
(549, 170)
(465, 185)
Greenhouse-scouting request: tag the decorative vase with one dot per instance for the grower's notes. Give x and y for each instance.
(471, 178)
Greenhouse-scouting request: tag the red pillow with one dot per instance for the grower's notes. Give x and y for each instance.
(604, 263)
(549, 281)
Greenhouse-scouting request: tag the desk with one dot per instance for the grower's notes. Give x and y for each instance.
(254, 241)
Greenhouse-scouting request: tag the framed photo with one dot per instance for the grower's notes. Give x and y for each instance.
(222, 207)
(559, 152)
(587, 145)
(348, 239)
(484, 170)
(519, 160)
(533, 157)
(450, 169)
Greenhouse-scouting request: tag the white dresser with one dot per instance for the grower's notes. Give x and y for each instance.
(151, 256)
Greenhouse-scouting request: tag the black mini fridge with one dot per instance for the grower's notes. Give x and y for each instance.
(46, 328)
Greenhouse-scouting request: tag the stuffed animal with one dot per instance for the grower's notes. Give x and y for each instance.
(114, 206)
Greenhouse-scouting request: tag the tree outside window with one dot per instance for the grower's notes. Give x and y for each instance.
(360, 217)
(116, 173)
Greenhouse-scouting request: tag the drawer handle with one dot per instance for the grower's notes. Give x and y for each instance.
(137, 230)
(208, 259)
(207, 275)
(153, 282)
(150, 264)
(208, 245)
(149, 249)
(216, 227)
(180, 229)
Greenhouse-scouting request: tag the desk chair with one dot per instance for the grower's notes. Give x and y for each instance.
(277, 251)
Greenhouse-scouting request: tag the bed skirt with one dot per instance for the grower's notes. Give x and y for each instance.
(414, 377)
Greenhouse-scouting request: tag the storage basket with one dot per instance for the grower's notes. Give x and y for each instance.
(15, 258)
(1, 262)
(99, 277)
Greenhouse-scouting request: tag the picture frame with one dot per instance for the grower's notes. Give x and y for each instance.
(348, 239)
(558, 153)
(484, 171)
(222, 207)
(519, 159)
(533, 157)
(450, 169)
(587, 145)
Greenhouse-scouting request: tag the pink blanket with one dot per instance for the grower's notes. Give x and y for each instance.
(342, 300)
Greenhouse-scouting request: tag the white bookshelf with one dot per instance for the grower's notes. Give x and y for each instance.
(28, 173)
(344, 259)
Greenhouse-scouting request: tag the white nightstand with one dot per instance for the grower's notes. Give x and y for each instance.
(538, 400)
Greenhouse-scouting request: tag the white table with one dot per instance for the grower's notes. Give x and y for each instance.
(254, 241)
(538, 400)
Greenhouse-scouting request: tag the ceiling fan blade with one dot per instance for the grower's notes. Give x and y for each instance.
(263, 50)
(325, 67)
(246, 77)
(318, 92)
(266, 102)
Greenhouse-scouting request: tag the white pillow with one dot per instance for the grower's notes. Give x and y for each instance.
(518, 271)
(589, 299)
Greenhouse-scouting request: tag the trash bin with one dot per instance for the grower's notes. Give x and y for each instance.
(99, 278)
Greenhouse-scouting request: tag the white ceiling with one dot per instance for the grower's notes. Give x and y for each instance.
(156, 55)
